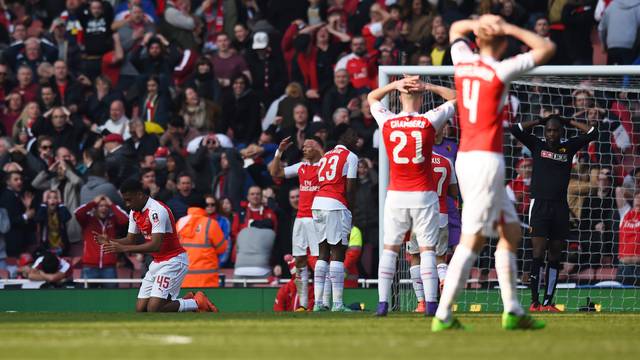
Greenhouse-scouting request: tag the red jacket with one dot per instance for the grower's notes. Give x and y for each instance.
(117, 220)
(247, 215)
(287, 297)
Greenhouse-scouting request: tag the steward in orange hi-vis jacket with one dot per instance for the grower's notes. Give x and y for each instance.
(202, 237)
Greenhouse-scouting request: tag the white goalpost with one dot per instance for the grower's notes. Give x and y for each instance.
(607, 96)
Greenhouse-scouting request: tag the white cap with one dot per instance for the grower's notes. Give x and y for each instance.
(260, 40)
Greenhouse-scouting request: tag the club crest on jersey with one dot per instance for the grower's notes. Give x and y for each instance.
(155, 218)
(553, 156)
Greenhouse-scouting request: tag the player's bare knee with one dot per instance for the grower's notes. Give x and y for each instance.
(474, 242)
(141, 305)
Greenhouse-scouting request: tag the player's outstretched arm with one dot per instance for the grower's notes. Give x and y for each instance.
(404, 85)
(542, 49)
(275, 167)
(460, 29)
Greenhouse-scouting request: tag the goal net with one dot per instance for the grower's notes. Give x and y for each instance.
(597, 273)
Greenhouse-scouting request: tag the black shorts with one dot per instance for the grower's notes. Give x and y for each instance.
(549, 219)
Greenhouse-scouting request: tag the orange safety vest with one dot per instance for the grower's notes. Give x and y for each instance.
(203, 240)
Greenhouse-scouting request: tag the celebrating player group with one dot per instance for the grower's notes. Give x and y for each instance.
(415, 205)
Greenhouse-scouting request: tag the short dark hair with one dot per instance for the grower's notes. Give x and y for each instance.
(131, 186)
(184, 174)
(50, 263)
(316, 139)
(7, 176)
(553, 118)
(196, 201)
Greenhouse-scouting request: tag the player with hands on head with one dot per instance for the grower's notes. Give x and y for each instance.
(304, 234)
(161, 284)
(482, 82)
(549, 210)
(412, 201)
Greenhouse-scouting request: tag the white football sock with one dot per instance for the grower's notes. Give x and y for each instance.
(442, 271)
(187, 305)
(459, 268)
(336, 269)
(386, 271)
(319, 276)
(326, 296)
(416, 280)
(429, 275)
(507, 271)
(302, 286)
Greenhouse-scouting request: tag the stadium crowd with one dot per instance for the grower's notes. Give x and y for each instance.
(193, 97)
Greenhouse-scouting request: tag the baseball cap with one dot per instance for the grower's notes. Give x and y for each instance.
(260, 40)
(113, 138)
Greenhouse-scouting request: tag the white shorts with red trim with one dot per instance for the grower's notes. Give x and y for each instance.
(164, 279)
(304, 237)
(482, 186)
(332, 225)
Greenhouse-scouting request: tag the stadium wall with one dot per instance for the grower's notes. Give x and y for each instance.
(261, 299)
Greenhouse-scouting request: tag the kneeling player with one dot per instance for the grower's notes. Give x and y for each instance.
(161, 284)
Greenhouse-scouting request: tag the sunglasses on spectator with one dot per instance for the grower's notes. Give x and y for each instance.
(211, 204)
(45, 147)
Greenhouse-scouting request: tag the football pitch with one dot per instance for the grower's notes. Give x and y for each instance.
(309, 336)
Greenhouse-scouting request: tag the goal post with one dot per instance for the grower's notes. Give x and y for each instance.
(548, 89)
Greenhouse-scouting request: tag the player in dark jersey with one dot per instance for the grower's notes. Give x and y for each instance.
(549, 211)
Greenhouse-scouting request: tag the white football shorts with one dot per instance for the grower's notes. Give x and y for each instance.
(332, 225)
(441, 248)
(304, 237)
(485, 203)
(424, 222)
(164, 279)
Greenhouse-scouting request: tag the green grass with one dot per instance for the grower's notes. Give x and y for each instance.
(90, 336)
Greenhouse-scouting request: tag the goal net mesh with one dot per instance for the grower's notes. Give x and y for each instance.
(592, 265)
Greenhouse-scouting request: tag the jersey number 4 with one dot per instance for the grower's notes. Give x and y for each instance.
(401, 138)
(330, 173)
(470, 93)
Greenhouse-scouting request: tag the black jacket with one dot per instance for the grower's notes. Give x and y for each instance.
(21, 233)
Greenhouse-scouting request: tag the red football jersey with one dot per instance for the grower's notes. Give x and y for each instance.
(156, 218)
(443, 175)
(408, 140)
(481, 76)
(307, 174)
(359, 70)
(629, 244)
(335, 167)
